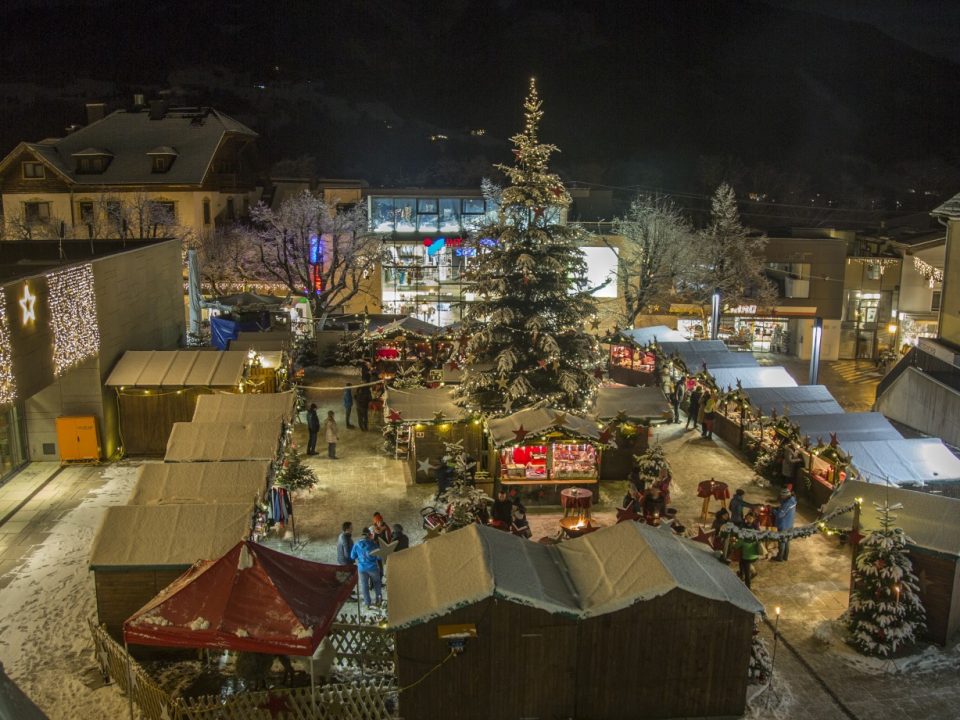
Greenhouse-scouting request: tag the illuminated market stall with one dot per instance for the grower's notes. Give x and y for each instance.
(627, 414)
(632, 358)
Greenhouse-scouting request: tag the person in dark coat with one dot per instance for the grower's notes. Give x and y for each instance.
(345, 544)
(502, 511)
(348, 404)
(654, 504)
(363, 397)
(403, 541)
(694, 408)
(633, 501)
(313, 429)
(676, 397)
(520, 525)
(784, 517)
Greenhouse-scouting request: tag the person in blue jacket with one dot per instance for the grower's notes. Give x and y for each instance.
(367, 568)
(784, 516)
(348, 404)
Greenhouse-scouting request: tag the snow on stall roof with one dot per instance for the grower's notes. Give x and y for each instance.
(636, 403)
(167, 535)
(178, 368)
(930, 521)
(422, 404)
(906, 461)
(203, 482)
(752, 377)
(213, 441)
(535, 420)
(847, 426)
(646, 335)
(596, 574)
(244, 406)
(793, 401)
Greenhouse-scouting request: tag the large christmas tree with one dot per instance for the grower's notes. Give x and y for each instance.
(885, 612)
(527, 344)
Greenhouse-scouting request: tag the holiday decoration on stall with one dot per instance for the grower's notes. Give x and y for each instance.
(527, 344)
(408, 377)
(798, 532)
(293, 474)
(466, 504)
(652, 464)
(885, 612)
(72, 306)
(761, 666)
(8, 384)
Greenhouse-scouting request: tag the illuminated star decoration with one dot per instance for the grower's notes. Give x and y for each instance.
(519, 434)
(385, 549)
(626, 515)
(703, 537)
(595, 324)
(425, 466)
(605, 435)
(394, 417)
(27, 302)
(275, 705)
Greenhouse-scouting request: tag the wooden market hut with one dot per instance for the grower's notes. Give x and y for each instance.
(748, 376)
(932, 523)
(217, 441)
(694, 354)
(157, 388)
(234, 407)
(629, 412)
(625, 619)
(428, 418)
(793, 401)
(914, 463)
(199, 483)
(140, 549)
(538, 452)
(632, 360)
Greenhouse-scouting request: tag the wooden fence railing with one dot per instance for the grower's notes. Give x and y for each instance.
(364, 645)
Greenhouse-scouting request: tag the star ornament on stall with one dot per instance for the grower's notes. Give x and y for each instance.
(502, 383)
(275, 705)
(542, 363)
(560, 418)
(703, 537)
(385, 549)
(438, 416)
(605, 435)
(28, 302)
(425, 466)
(394, 416)
(520, 433)
(621, 416)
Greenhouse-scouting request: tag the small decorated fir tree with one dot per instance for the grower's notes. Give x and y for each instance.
(885, 613)
(761, 665)
(407, 378)
(527, 343)
(466, 503)
(651, 463)
(293, 474)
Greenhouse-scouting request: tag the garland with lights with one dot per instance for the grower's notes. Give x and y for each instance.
(8, 383)
(801, 531)
(931, 274)
(879, 262)
(72, 303)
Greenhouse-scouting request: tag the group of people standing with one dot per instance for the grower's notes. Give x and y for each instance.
(362, 553)
(701, 408)
(362, 395)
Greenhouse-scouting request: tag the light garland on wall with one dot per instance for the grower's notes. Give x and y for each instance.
(933, 275)
(72, 305)
(8, 384)
(878, 262)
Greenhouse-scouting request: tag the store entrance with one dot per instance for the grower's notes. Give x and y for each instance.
(764, 334)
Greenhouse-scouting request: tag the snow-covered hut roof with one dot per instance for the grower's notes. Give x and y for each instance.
(227, 407)
(712, 353)
(167, 535)
(752, 377)
(794, 401)
(905, 462)
(930, 521)
(636, 403)
(204, 482)
(536, 420)
(178, 368)
(847, 427)
(213, 441)
(422, 404)
(596, 574)
(641, 337)
(950, 209)
(403, 326)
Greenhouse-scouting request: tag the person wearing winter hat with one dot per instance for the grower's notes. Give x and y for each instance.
(403, 541)
(784, 517)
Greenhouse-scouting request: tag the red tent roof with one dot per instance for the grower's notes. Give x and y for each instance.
(252, 599)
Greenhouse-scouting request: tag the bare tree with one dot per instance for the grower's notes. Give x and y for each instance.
(657, 241)
(316, 252)
(229, 256)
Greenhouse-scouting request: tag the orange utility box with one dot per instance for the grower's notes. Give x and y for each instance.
(78, 439)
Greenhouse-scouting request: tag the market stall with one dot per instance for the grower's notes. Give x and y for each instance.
(627, 414)
(539, 452)
(215, 441)
(425, 419)
(793, 401)
(932, 526)
(247, 408)
(660, 608)
(632, 358)
(912, 463)
(140, 549)
(768, 376)
(157, 388)
(695, 354)
(199, 483)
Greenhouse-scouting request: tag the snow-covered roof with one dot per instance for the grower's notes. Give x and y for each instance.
(178, 368)
(204, 482)
(794, 401)
(848, 427)
(950, 209)
(641, 337)
(213, 441)
(907, 461)
(930, 521)
(536, 420)
(422, 404)
(403, 326)
(752, 377)
(636, 403)
(596, 574)
(168, 535)
(712, 353)
(226, 407)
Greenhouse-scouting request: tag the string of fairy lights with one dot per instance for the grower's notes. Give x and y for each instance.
(931, 274)
(8, 384)
(72, 306)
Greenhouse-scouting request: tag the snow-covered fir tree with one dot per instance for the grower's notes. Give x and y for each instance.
(651, 462)
(407, 378)
(465, 502)
(527, 343)
(885, 612)
(293, 474)
(761, 665)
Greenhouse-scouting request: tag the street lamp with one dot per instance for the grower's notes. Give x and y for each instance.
(815, 350)
(715, 315)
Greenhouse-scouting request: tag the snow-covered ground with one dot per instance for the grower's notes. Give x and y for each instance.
(45, 643)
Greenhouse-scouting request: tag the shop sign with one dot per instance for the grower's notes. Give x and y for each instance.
(743, 310)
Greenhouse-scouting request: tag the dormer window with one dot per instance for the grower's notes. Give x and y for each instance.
(161, 158)
(92, 161)
(34, 171)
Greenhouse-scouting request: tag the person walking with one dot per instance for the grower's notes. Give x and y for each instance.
(368, 569)
(330, 434)
(784, 517)
(749, 554)
(363, 396)
(348, 404)
(694, 408)
(345, 544)
(313, 428)
(709, 410)
(676, 397)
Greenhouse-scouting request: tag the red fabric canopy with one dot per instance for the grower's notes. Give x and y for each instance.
(252, 599)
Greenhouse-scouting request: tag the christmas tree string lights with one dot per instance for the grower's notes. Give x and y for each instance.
(72, 306)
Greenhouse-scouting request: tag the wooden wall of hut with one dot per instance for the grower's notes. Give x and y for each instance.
(616, 463)
(120, 593)
(146, 420)
(428, 443)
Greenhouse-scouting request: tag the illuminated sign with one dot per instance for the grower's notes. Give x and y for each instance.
(465, 252)
(743, 310)
(27, 302)
(316, 250)
(488, 242)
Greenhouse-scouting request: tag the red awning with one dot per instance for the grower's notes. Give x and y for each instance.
(252, 599)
